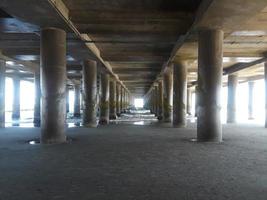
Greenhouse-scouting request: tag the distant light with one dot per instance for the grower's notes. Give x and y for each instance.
(249, 33)
(32, 142)
(226, 59)
(139, 103)
(10, 63)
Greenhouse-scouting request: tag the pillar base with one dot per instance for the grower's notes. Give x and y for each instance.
(37, 122)
(90, 125)
(103, 122)
(160, 118)
(113, 117)
(179, 125)
(77, 115)
(15, 116)
(58, 140)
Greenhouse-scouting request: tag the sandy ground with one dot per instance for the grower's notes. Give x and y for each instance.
(132, 162)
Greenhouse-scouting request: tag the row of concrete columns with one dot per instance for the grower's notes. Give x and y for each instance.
(51, 101)
(175, 91)
(53, 79)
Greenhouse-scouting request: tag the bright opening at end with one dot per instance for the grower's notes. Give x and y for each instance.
(139, 103)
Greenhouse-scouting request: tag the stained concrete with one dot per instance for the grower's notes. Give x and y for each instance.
(135, 162)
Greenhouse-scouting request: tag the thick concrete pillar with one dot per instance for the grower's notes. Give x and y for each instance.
(231, 102)
(77, 100)
(67, 100)
(112, 100)
(160, 101)
(210, 56)
(118, 99)
(179, 94)
(189, 101)
(16, 98)
(37, 102)
(104, 102)
(167, 95)
(250, 99)
(89, 93)
(2, 92)
(53, 85)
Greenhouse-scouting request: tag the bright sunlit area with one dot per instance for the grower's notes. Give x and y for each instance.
(139, 103)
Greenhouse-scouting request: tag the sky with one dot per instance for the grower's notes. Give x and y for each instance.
(27, 100)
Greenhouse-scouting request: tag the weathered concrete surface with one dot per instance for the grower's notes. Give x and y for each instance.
(168, 95)
(53, 85)
(209, 85)
(265, 81)
(179, 94)
(89, 93)
(135, 162)
(104, 101)
(2, 92)
(231, 98)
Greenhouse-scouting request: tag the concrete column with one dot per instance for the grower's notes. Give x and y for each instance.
(2, 92)
(210, 56)
(67, 100)
(112, 100)
(121, 101)
(53, 85)
(77, 100)
(168, 95)
(231, 103)
(156, 100)
(37, 103)
(16, 98)
(250, 99)
(118, 99)
(189, 102)
(265, 81)
(196, 100)
(179, 94)
(104, 102)
(160, 101)
(89, 93)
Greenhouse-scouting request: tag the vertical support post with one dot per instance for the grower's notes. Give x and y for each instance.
(37, 102)
(160, 100)
(112, 100)
(89, 93)
(210, 56)
(77, 100)
(168, 95)
(231, 103)
(53, 85)
(189, 101)
(179, 94)
(250, 99)
(67, 100)
(156, 100)
(265, 81)
(118, 99)
(16, 98)
(2, 92)
(104, 102)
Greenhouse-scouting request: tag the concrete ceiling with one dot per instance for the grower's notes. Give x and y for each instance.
(135, 41)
